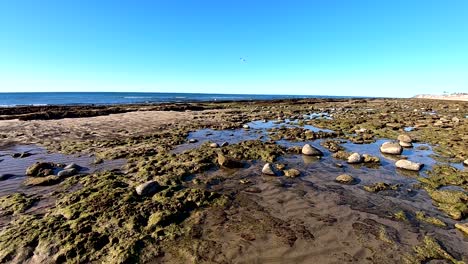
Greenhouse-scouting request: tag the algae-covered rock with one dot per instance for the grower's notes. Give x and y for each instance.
(381, 186)
(429, 250)
(462, 227)
(292, 173)
(453, 203)
(38, 168)
(67, 172)
(345, 179)
(370, 159)
(42, 181)
(441, 175)
(229, 162)
(421, 216)
(15, 203)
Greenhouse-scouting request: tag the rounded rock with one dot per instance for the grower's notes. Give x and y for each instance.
(72, 166)
(345, 179)
(268, 169)
(404, 138)
(406, 144)
(246, 126)
(354, 158)
(147, 188)
(67, 173)
(408, 165)
(308, 150)
(465, 162)
(224, 144)
(4, 177)
(292, 173)
(391, 148)
(214, 145)
(192, 140)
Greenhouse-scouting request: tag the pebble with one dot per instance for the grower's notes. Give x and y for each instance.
(465, 162)
(192, 140)
(147, 188)
(308, 150)
(246, 126)
(214, 145)
(224, 144)
(354, 158)
(345, 179)
(268, 169)
(408, 165)
(391, 148)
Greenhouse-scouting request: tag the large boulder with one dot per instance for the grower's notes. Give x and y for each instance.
(391, 148)
(147, 188)
(308, 150)
(229, 162)
(408, 165)
(40, 169)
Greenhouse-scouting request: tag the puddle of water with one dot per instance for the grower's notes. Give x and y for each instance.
(18, 166)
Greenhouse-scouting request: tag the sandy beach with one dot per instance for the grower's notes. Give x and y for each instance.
(287, 181)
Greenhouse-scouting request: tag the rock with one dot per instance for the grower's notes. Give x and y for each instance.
(406, 144)
(67, 172)
(21, 155)
(37, 168)
(245, 126)
(42, 181)
(354, 158)
(192, 140)
(268, 169)
(214, 145)
(391, 148)
(72, 166)
(292, 173)
(229, 162)
(381, 186)
(147, 188)
(224, 144)
(4, 177)
(308, 150)
(404, 138)
(370, 159)
(465, 162)
(253, 190)
(408, 165)
(462, 227)
(345, 179)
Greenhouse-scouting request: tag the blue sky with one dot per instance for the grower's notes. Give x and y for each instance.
(325, 47)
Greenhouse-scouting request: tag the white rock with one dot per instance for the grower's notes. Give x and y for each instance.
(67, 173)
(406, 144)
(214, 145)
(147, 188)
(465, 162)
(354, 158)
(308, 150)
(246, 126)
(408, 165)
(391, 148)
(268, 169)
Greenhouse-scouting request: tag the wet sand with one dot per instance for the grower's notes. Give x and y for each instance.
(253, 217)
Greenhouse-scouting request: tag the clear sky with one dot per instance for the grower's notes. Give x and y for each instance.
(392, 48)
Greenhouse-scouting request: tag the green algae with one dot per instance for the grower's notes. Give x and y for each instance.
(453, 203)
(421, 216)
(16, 203)
(429, 249)
(442, 175)
(104, 221)
(401, 216)
(381, 186)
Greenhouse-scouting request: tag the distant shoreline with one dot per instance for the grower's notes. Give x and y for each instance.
(451, 97)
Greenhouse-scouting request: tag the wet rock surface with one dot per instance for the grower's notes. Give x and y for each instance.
(385, 216)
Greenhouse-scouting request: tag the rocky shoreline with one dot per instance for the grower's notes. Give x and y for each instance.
(360, 180)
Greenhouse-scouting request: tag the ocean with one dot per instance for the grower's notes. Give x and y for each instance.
(106, 98)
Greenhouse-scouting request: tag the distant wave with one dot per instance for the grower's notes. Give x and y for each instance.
(137, 97)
